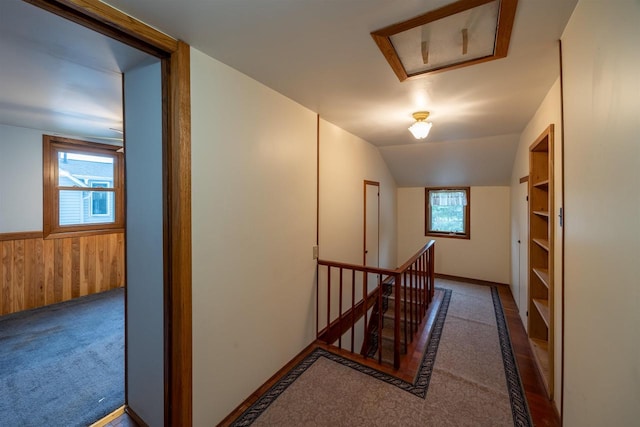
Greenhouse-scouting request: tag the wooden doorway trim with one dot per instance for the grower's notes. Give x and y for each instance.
(175, 58)
(364, 245)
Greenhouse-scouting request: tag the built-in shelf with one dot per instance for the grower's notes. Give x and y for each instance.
(543, 308)
(543, 243)
(541, 247)
(543, 275)
(540, 349)
(541, 184)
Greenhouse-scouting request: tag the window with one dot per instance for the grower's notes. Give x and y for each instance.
(100, 205)
(82, 184)
(447, 212)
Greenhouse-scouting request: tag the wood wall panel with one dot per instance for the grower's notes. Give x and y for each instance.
(17, 292)
(6, 253)
(35, 272)
(49, 251)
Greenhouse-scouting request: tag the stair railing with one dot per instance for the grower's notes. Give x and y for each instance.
(412, 298)
(413, 286)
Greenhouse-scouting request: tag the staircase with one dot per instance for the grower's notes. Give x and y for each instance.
(384, 316)
(410, 318)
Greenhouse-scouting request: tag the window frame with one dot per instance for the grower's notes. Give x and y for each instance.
(51, 146)
(467, 214)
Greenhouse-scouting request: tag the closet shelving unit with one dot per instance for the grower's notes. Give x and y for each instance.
(540, 299)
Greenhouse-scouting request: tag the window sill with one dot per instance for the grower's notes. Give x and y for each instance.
(450, 235)
(82, 233)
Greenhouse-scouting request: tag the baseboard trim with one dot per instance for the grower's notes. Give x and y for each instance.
(253, 397)
(108, 418)
(469, 280)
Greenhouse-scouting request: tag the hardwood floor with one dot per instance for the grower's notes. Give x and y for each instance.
(542, 410)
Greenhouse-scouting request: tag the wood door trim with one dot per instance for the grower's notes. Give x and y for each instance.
(178, 293)
(109, 21)
(364, 244)
(317, 179)
(562, 206)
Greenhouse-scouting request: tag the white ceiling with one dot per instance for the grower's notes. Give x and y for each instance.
(320, 54)
(60, 77)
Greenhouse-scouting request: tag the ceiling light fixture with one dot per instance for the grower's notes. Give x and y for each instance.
(420, 129)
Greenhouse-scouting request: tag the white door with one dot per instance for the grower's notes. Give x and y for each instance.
(523, 285)
(371, 229)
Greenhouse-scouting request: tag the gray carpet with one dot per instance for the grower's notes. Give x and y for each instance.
(63, 365)
(468, 377)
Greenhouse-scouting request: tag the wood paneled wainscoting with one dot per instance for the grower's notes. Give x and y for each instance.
(35, 272)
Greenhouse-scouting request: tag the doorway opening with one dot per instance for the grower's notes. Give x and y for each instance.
(371, 249)
(172, 347)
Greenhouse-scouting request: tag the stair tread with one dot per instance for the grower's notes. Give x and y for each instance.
(387, 334)
(390, 316)
(411, 300)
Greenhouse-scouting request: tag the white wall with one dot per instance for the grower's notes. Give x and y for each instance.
(549, 112)
(346, 161)
(484, 257)
(254, 227)
(20, 179)
(602, 200)
(144, 244)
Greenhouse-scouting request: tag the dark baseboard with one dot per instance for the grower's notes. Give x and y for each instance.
(264, 387)
(468, 280)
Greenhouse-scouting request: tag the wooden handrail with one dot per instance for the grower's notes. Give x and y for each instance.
(416, 275)
(356, 267)
(378, 270)
(413, 259)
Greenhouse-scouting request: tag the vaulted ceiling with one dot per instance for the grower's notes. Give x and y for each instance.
(321, 55)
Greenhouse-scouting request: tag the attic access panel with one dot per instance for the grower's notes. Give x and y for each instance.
(463, 33)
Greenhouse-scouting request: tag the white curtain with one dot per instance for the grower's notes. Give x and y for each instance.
(448, 198)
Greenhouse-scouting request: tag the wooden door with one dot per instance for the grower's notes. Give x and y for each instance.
(523, 283)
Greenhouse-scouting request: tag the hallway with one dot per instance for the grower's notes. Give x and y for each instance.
(326, 386)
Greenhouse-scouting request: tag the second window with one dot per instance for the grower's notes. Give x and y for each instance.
(447, 212)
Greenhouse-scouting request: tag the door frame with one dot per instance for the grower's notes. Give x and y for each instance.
(364, 247)
(176, 136)
(523, 225)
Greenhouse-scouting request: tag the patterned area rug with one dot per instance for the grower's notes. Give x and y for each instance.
(468, 376)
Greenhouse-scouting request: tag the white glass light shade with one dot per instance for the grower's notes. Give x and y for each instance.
(420, 129)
